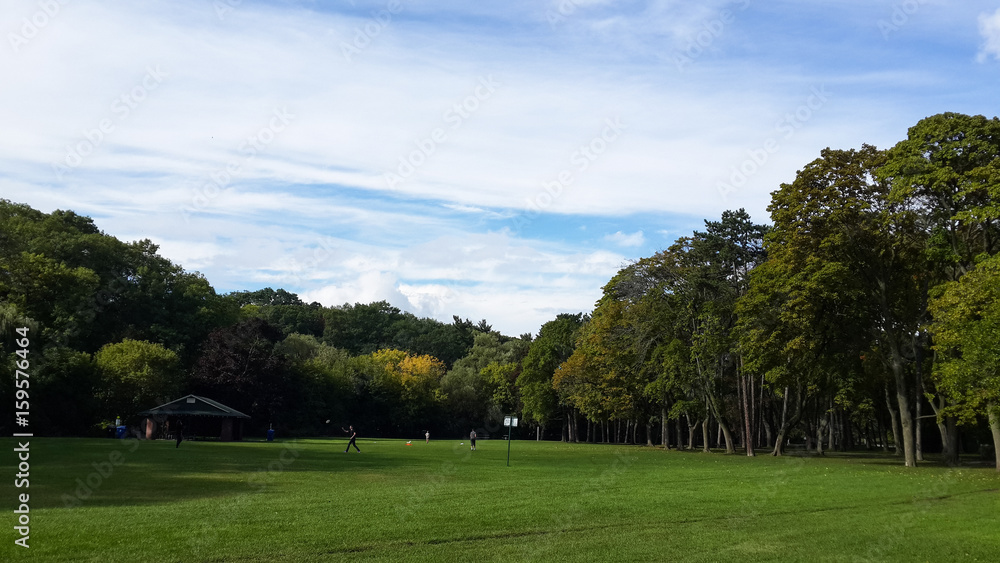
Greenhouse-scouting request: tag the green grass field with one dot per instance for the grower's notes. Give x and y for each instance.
(309, 501)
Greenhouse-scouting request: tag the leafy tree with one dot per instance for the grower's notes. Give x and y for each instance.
(240, 366)
(135, 375)
(360, 329)
(966, 330)
(64, 381)
(266, 296)
(554, 345)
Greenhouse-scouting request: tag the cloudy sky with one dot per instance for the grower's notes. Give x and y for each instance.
(490, 159)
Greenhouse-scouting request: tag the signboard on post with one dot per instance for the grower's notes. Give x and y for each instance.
(510, 422)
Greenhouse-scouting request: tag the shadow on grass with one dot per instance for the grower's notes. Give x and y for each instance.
(75, 472)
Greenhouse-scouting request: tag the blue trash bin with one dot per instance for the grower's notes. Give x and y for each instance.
(270, 435)
(120, 431)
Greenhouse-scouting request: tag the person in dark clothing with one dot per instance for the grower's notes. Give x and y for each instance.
(179, 432)
(472, 438)
(353, 434)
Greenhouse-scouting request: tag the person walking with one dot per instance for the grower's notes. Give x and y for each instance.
(427, 436)
(179, 432)
(353, 434)
(472, 439)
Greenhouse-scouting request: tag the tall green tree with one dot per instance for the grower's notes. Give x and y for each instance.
(137, 375)
(966, 331)
(552, 347)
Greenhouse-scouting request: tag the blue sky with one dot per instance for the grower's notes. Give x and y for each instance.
(497, 160)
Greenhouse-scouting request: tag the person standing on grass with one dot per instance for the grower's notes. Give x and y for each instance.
(179, 432)
(353, 434)
(472, 439)
(427, 436)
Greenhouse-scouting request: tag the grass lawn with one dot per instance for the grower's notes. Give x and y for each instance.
(309, 501)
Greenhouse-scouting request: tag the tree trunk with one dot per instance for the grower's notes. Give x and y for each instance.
(919, 441)
(819, 434)
(717, 412)
(691, 427)
(664, 438)
(704, 435)
(894, 417)
(995, 429)
(768, 432)
(883, 434)
(948, 429)
(779, 443)
(747, 392)
(649, 434)
(905, 412)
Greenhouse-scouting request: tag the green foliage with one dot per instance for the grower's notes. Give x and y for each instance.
(136, 375)
(966, 330)
(554, 345)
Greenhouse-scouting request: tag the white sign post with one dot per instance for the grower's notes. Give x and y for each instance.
(510, 422)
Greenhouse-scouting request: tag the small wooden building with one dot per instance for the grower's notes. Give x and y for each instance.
(201, 417)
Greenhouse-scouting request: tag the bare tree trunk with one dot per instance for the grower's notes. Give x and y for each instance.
(649, 434)
(746, 390)
(995, 429)
(768, 432)
(830, 444)
(919, 442)
(905, 412)
(893, 416)
(664, 438)
(779, 442)
(704, 435)
(691, 427)
(819, 434)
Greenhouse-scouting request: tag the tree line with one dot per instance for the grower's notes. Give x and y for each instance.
(868, 306)
(865, 314)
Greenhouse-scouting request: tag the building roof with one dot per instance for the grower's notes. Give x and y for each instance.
(193, 405)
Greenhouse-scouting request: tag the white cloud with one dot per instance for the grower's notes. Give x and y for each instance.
(989, 28)
(626, 240)
(308, 208)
